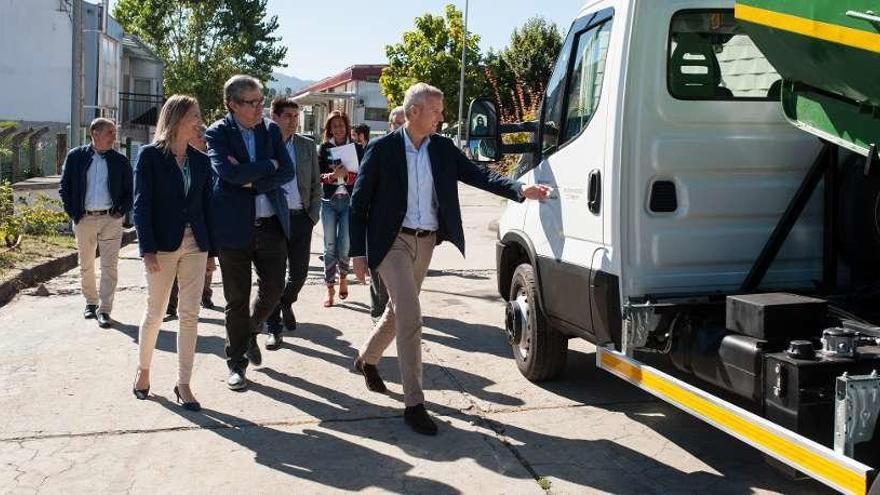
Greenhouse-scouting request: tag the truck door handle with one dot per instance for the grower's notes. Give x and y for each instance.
(594, 194)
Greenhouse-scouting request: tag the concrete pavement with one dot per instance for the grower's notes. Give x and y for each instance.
(307, 425)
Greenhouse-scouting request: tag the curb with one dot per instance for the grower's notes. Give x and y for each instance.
(48, 270)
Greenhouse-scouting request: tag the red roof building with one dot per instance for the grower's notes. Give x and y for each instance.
(354, 91)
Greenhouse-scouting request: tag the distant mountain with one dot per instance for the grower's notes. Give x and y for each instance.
(283, 81)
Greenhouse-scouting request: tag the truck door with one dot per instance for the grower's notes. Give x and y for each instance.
(573, 140)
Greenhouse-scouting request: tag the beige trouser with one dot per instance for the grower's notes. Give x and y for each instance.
(188, 265)
(102, 232)
(403, 270)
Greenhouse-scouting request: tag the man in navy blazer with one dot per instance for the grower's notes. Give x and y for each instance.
(96, 190)
(250, 217)
(405, 201)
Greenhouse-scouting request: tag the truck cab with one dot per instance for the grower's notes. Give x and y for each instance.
(684, 220)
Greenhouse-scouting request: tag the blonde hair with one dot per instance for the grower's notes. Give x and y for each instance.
(168, 124)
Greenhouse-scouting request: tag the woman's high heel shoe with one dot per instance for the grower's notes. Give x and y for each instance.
(343, 288)
(330, 293)
(189, 406)
(140, 394)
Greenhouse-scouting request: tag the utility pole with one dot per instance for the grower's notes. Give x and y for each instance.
(461, 87)
(76, 74)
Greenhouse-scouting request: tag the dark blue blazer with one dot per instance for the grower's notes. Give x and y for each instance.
(73, 181)
(233, 210)
(378, 204)
(161, 210)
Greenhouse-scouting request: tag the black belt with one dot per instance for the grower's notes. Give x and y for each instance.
(297, 211)
(97, 212)
(265, 221)
(416, 232)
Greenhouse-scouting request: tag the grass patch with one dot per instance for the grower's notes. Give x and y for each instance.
(32, 251)
(544, 483)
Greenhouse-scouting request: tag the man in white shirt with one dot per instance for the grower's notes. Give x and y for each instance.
(405, 201)
(97, 191)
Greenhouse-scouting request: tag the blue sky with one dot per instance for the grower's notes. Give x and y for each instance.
(324, 38)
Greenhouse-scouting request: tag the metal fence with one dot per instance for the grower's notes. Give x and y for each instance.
(31, 152)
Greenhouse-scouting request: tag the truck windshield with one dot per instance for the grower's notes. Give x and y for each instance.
(711, 58)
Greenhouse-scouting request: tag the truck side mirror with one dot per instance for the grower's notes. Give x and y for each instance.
(484, 139)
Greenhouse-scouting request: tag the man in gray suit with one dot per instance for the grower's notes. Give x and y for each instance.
(304, 202)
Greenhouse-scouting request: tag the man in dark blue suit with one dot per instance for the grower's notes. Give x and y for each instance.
(250, 217)
(405, 201)
(96, 189)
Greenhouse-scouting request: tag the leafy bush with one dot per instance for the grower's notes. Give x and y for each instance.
(11, 227)
(46, 217)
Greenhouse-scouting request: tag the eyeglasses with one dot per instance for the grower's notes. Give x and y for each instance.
(255, 103)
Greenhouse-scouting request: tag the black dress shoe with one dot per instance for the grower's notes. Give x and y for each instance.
(371, 375)
(140, 393)
(189, 406)
(274, 341)
(417, 418)
(103, 320)
(288, 317)
(91, 311)
(253, 353)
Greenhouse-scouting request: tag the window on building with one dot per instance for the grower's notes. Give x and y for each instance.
(372, 79)
(376, 114)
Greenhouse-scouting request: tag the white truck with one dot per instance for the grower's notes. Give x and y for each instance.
(685, 224)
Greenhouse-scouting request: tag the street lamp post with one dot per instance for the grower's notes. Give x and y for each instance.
(461, 86)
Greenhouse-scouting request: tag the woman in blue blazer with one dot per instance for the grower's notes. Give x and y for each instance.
(172, 193)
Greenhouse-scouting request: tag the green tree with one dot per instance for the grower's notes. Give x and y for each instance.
(431, 53)
(519, 73)
(204, 42)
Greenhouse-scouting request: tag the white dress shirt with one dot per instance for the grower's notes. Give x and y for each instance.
(263, 206)
(421, 199)
(97, 190)
(291, 189)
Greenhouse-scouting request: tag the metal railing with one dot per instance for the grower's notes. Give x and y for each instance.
(139, 108)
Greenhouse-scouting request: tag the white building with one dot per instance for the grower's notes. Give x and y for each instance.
(35, 61)
(354, 91)
(121, 79)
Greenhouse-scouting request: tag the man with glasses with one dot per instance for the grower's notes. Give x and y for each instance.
(250, 217)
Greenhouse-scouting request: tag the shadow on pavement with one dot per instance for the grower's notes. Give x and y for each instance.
(343, 354)
(467, 337)
(314, 455)
(167, 340)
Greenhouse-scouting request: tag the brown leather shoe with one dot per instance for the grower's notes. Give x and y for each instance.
(371, 375)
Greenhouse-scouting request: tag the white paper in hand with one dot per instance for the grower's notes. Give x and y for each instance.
(348, 155)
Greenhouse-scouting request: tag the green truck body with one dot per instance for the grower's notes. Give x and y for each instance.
(828, 53)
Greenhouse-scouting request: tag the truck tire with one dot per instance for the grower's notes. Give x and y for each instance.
(875, 487)
(539, 350)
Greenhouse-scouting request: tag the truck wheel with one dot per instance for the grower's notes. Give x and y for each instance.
(540, 351)
(875, 487)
